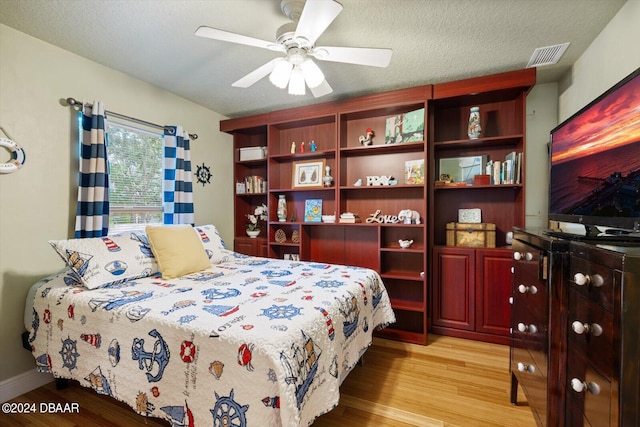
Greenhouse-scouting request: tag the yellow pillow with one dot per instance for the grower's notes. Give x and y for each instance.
(178, 250)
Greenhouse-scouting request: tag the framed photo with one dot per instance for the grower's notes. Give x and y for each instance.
(313, 210)
(308, 174)
(463, 169)
(414, 171)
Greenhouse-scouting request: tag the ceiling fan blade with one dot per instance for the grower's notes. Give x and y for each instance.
(255, 75)
(216, 34)
(354, 55)
(316, 16)
(321, 90)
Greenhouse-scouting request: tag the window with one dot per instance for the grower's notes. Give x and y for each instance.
(135, 177)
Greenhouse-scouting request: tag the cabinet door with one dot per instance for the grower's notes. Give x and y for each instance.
(454, 288)
(493, 285)
(248, 246)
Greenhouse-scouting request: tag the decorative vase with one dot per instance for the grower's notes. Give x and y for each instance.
(282, 208)
(253, 233)
(327, 179)
(474, 123)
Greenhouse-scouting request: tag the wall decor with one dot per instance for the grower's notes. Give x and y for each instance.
(308, 174)
(280, 236)
(313, 210)
(367, 138)
(407, 127)
(203, 174)
(463, 169)
(378, 218)
(408, 216)
(373, 181)
(414, 172)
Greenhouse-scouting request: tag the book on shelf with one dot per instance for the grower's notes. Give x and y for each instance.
(349, 218)
(255, 184)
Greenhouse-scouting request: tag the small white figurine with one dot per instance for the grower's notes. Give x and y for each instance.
(293, 147)
(404, 244)
(408, 216)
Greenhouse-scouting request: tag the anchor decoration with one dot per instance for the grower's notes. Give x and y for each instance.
(147, 361)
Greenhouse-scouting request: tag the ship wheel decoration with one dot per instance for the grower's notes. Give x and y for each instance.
(227, 412)
(203, 173)
(69, 354)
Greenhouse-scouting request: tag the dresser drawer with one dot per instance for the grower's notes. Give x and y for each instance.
(588, 390)
(530, 332)
(531, 380)
(595, 281)
(590, 333)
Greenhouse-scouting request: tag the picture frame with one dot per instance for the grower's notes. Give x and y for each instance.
(313, 210)
(308, 174)
(414, 172)
(462, 169)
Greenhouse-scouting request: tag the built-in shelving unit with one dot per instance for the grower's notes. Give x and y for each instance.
(335, 128)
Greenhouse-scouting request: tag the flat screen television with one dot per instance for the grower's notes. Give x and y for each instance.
(595, 164)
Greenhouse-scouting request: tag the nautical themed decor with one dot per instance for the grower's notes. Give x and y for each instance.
(18, 157)
(203, 174)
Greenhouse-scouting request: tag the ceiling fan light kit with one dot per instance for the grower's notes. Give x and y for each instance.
(297, 39)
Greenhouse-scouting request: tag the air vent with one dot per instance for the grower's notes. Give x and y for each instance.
(547, 55)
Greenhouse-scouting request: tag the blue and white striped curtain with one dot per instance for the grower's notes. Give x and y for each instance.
(92, 215)
(177, 186)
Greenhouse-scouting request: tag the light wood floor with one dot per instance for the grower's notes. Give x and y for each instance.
(450, 382)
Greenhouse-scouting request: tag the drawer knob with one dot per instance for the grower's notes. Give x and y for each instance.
(530, 289)
(585, 328)
(584, 279)
(527, 256)
(526, 368)
(527, 328)
(581, 386)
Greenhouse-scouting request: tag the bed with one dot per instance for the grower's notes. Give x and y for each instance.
(247, 341)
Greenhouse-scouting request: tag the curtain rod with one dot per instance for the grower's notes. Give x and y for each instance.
(72, 103)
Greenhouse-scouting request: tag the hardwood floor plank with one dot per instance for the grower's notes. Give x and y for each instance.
(451, 382)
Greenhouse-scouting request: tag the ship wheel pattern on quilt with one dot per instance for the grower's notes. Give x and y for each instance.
(69, 354)
(228, 413)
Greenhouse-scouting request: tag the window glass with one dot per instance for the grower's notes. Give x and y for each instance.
(135, 177)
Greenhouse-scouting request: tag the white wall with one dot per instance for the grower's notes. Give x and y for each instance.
(37, 203)
(613, 55)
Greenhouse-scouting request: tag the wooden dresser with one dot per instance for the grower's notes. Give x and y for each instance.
(603, 346)
(538, 316)
(575, 337)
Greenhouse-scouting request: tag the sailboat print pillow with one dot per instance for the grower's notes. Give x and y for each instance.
(110, 260)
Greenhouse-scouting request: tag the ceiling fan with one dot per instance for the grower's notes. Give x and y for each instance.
(296, 40)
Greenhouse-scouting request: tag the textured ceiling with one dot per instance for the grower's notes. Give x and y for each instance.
(432, 41)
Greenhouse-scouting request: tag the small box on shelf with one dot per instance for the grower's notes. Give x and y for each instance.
(479, 235)
(252, 153)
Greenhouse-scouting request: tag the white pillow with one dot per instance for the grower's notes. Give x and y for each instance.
(213, 244)
(103, 261)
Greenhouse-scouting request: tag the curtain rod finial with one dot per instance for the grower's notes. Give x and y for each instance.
(71, 101)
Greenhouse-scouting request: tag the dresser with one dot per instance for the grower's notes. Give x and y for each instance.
(575, 330)
(538, 319)
(603, 336)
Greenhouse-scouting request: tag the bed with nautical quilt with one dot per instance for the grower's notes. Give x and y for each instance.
(246, 341)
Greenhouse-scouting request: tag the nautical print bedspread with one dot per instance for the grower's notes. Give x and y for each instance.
(251, 342)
